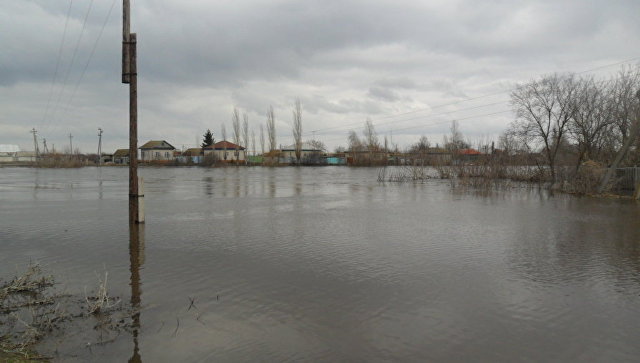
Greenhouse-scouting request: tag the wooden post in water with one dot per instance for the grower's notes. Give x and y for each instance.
(130, 76)
(126, 30)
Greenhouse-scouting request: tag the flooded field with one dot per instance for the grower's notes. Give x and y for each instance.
(327, 264)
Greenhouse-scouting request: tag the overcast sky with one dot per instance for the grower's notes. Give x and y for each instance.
(410, 66)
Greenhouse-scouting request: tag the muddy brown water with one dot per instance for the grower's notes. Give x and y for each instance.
(327, 264)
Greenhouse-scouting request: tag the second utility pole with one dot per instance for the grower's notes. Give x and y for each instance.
(130, 76)
(99, 146)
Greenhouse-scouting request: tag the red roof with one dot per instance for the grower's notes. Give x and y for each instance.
(221, 145)
(469, 152)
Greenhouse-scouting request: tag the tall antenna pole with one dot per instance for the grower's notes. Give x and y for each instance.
(99, 146)
(130, 76)
(35, 142)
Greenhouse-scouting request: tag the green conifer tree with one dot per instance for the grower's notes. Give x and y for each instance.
(207, 139)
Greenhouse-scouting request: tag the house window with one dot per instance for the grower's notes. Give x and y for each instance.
(157, 155)
(166, 154)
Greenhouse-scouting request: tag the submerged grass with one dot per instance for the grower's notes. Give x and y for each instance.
(488, 176)
(31, 310)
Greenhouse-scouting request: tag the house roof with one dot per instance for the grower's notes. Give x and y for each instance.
(306, 146)
(26, 153)
(121, 153)
(469, 152)
(221, 145)
(157, 144)
(194, 151)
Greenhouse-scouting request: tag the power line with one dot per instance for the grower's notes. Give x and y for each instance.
(93, 50)
(419, 117)
(440, 122)
(477, 117)
(73, 58)
(467, 99)
(55, 74)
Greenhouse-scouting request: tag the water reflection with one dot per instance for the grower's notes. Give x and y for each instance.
(136, 260)
(326, 264)
(100, 188)
(272, 182)
(208, 186)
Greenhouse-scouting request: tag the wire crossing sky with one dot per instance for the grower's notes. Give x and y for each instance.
(410, 66)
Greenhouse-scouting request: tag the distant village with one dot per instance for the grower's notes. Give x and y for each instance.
(162, 152)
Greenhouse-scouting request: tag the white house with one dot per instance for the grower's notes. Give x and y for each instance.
(226, 151)
(156, 150)
(308, 153)
(8, 153)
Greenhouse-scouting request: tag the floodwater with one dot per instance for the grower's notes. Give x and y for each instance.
(327, 264)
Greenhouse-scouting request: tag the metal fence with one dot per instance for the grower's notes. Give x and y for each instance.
(628, 178)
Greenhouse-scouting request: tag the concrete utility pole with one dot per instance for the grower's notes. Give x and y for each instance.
(130, 76)
(45, 150)
(35, 142)
(99, 146)
(633, 135)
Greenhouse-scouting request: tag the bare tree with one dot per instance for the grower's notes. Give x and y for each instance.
(297, 130)
(245, 130)
(625, 104)
(317, 145)
(253, 142)
(262, 138)
(543, 111)
(592, 115)
(454, 141)
(271, 129)
(370, 136)
(511, 144)
(422, 145)
(224, 144)
(355, 145)
(235, 121)
(354, 141)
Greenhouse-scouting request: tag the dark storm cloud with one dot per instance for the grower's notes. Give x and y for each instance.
(346, 60)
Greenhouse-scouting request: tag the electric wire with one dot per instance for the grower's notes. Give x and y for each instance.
(86, 65)
(55, 73)
(465, 100)
(75, 52)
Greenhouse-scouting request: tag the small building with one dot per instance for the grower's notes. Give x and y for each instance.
(121, 156)
(8, 153)
(468, 154)
(106, 158)
(366, 157)
(255, 159)
(156, 150)
(26, 156)
(191, 155)
(336, 160)
(308, 154)
(226, 151)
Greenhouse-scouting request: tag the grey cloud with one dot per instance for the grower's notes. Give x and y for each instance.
(345, 59)
(384, 94)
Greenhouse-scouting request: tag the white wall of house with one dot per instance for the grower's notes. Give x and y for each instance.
(231, 154)
(7, 157)
(304, 154)
(156, 154)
